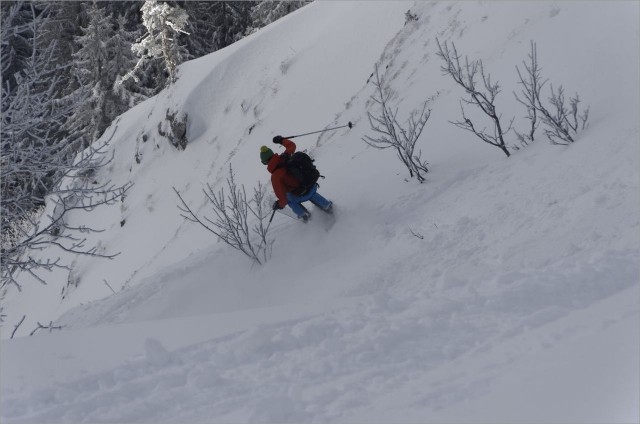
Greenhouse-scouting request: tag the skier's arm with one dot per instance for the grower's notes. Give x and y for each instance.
(289, 146)
(279, 189)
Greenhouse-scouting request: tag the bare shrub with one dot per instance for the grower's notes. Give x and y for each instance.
(233, 213)
(483, 97)
(531, 83)
(392, 135)
(562, 121)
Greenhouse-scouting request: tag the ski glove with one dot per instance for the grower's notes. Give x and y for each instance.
(278, 139)
(276, 206)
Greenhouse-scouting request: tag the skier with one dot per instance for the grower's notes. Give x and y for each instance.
(286, 186)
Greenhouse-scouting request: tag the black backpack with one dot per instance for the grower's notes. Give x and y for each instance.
(301, 167)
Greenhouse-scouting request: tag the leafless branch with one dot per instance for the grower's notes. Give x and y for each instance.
(531, 81)
(49, 327)
(109, 285)
(562, 122)
(52, 230)
(391, 134)
(231, 221)
(13, 333)
(484, 98)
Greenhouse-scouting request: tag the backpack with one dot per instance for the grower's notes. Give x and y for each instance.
(301, 167)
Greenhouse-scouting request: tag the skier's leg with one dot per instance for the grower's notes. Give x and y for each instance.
(318, 200)
(296, 207)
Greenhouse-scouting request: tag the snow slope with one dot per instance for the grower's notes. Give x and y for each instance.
(500, 290)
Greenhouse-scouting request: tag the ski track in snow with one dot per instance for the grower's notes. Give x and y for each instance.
(326, 366)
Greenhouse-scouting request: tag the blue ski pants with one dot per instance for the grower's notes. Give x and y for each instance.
(312, 195)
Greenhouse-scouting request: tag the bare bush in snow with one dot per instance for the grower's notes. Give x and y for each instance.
(531, 83)
(562, 121)
(392, 135)
(484, 97)
(233, 213)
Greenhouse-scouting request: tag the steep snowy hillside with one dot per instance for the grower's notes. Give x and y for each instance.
(501, 289)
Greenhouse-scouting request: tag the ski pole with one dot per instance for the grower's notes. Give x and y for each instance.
(350, 125)
(270, 219)
(267, 229)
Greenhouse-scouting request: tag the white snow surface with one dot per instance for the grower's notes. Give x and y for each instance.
(499, 290)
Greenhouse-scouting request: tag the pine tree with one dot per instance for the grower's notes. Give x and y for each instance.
(32, 158)
(62, 24)
(215, 25)
(121, 61)
(37, 160)
(228, 22)
(17, 38)
(92, 72)
(201, 28)
(269, 11)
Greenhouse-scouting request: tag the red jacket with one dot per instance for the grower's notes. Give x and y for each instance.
(281, 181)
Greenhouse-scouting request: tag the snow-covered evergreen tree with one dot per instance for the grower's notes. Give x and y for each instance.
(17, 38)
(92, 71)
(61, 25)
(163, 23)
(201, 28)
(228, 23)
(122, 60)
(32, 157)
(268, 11)
(215, 25)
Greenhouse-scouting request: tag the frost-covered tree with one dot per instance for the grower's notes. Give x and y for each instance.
(121, 61)
(244, 19)
(231, 21)
(269, 11)
(104, 55)
(93, 74)
(37, 162)
(62, 24)
(214, 25)
(200, 27)
(163, 23)
(26, 231)
(17, 38)
(31, 116)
